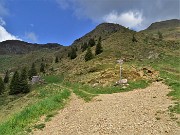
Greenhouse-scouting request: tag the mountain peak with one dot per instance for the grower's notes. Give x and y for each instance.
(103, 30)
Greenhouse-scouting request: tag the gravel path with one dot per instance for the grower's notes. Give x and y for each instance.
(138, 112)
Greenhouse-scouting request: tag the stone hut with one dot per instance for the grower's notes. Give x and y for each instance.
(35, 79)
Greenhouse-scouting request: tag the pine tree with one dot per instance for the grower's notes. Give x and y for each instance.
(2, 86)
(23, 83)
(88, 55)
(56, 60)
(99, 38)
(32, 72)
(134, 39)
(42, 68)
(160, 35)
(99, 48)
(73, 54)
(14, 85)
(84, 46)
(69, 54)
(91, 42)
(6, 78)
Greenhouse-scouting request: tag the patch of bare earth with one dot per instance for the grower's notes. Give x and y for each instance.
(138, 112)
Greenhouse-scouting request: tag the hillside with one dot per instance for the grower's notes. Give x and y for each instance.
(103, 69)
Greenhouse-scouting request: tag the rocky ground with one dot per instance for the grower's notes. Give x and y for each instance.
(138, 112)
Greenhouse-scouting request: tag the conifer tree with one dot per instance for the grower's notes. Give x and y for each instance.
(6, 78)
(73, 54)
(69, 54)
(84, 46)
(160, 35)
(32, 72)
(42, 68)
(91, 42)
(23, 83)
(2, 86)
(14, 85)
(56, 60)
(134, 39)
(88, 55)
(99, 48)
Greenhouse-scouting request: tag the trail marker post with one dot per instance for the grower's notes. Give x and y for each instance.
(120, 62)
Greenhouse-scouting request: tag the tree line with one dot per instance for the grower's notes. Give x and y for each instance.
(19, 83)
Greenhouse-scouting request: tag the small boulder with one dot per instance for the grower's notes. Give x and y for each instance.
(123, 81)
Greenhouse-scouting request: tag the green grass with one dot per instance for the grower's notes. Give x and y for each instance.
(88, 92)
(18, 122)
(173, 81)
(115, 89)
(53, 78)
(86, 96)
(175, 108)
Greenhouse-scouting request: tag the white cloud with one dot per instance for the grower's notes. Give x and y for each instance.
(130, 19)
(4, 35)
(2, 22)
(97, 10)
(31, 36)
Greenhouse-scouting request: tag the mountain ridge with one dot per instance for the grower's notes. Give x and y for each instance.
(22, 47)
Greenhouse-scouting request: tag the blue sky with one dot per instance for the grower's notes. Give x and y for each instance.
(63, 21)
(44, 22)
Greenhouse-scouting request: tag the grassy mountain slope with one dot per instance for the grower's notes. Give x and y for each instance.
(117, 43)
(170, 29)
(104, 68)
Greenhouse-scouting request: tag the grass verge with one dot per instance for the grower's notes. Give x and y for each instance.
(88, 92)
(173, 82)
(18, 122)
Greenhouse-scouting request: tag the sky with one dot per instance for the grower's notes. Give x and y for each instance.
(63, 21)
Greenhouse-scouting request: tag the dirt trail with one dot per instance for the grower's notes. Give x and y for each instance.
(138, 112)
